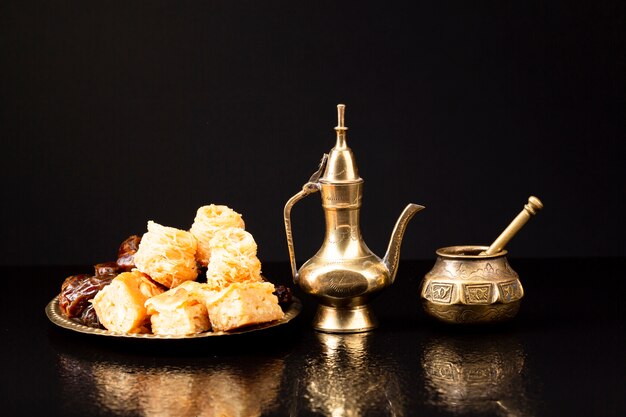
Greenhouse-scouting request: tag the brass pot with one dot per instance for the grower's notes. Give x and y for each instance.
(465, 286)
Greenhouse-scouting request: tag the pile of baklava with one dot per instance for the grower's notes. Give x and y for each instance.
(177, 282)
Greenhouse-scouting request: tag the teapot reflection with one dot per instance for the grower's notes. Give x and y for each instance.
(223, 389)
(473, 375)
(347, 379)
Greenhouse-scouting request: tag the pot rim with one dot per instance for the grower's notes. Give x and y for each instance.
(458, 252)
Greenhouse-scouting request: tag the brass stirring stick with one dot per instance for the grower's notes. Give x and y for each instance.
(530, 209)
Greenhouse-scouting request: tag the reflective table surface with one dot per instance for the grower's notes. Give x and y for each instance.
(562, 355)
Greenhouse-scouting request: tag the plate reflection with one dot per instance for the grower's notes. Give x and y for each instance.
(347, 379)
(226, 388)
(474, 375)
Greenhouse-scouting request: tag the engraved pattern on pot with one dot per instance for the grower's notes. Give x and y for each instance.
(509, 291)
(477, 293)
(441, 292)
(490, 314)
(464, 270)
(464, 314)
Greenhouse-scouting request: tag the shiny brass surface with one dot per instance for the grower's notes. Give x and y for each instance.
(530, 209)
(342, 376)
(476, 375)
(344, 320)
(344, 275)
(465, 287)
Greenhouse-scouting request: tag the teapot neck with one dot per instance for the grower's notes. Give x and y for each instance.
(342, 205)
(341, 196)
(337, 221)
(343, 240)
(342, 210)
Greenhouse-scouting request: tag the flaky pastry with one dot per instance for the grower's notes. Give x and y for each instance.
(120, 305)
(209, 219)
(178, 311)
(233, 258)
(167, 255)
(243, 304)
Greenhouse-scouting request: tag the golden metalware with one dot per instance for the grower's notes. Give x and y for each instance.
(466, 287)
(475, 284)
(530, 209)
(343, 376)
(344, 275)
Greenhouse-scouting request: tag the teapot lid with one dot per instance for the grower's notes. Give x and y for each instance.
(341, 166)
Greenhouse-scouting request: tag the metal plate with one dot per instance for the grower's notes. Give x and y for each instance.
(54, 314)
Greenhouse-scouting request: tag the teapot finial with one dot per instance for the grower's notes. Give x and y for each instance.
(341, 166)
(341, 122)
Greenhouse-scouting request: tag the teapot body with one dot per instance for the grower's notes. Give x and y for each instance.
(343, 282)
(344, 272)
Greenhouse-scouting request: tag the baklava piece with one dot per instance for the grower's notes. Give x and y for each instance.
(233, 258)
(243, 304)
(167, 255)
(120, 305)
(179, 311)
(209, 219)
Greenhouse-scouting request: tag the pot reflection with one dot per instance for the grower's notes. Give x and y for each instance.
(225, 388)
(347, 379)
(467, 374)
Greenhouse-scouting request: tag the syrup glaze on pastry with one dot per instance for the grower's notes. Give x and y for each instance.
(243, 304)
(120, 305)
(179, 311)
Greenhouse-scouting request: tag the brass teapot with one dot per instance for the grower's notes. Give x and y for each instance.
(344, 275)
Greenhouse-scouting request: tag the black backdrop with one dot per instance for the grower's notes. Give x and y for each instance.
(116, 113)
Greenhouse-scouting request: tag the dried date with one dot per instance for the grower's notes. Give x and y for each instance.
(107, 268)
(283, 293)
(77, 290)
(126, 252)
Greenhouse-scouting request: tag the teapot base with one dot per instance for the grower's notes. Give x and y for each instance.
(344, 320)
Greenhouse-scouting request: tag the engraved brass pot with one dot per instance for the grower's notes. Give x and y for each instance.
(466, 287)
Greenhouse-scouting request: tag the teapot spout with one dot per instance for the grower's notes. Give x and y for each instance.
(392, 257)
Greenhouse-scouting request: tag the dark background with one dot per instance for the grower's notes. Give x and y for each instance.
(116, 113)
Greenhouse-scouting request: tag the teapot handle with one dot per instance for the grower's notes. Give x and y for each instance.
(311, 187)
